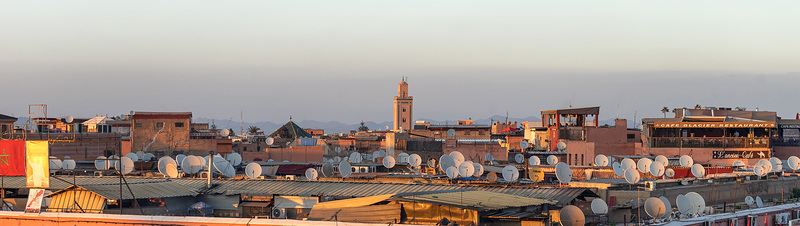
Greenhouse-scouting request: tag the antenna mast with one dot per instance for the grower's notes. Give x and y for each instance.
(241, 116)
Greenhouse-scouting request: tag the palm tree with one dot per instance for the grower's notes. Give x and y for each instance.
(740, 108)
(253, 130)
(363, 127)
(665, 110)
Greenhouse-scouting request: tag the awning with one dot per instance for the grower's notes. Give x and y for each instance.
(354, 202)
(254, 204)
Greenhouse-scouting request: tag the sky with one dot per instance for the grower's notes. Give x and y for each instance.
(342, 60)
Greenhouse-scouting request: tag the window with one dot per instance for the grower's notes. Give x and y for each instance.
(138, 125)
(159, 124)
(178, 124)
(631, 136)
(404, 110)
(404, 120)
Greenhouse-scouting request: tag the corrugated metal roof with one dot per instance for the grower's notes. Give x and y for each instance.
(477, 200)
(141, 190)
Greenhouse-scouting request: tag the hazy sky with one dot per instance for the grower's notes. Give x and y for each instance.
(342, 60)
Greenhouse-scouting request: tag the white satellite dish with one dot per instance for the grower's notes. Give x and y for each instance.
(139, 155)
(654, 207)
(749, 200)
(628, 164)
(663, 160)
(311, 174)
(657, 169)
(431, 163)
(271, 141)
(345, 169)
(491, 177)
(68, 164)
(388, 162)
(179, 158)
(519, 158)
(224, 132)
(54, 164)
(355, 157)
(125, 165)
(794, 162)
(561, 146)
(667, 204)
(446, 161)
(414, 160)
(739, 163)
(327, 169)
(644, 165)
(113, 161)
(766, 165)
(599, 206)
(776, 163)
(698, 171)
(697, 201)
(684, 204)
(252, 170)
(381, 153)
(466, 169)
(172, 171)
(163, 162)
(478, 169)
(336, 159)
(133, 156)
(148, 157)
(534, 161)
(686, 161)
(523, 144)
(552, 160)
(760, 169)
(759, 202)
(510, 173)
(452, 172)
(458, 158)
(70, 119)
(488, 157)
(234, 158)
(631, 176)
(101, 163)
(572, 216)
(618, 169)
(563, 173)
(224, 167)
(601, 160)
(191, 164)
(451, 133)
(670, 173)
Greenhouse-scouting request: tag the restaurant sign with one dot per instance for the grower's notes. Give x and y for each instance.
(740, 154)
(714, 124)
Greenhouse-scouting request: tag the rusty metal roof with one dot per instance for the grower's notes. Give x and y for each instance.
(141, 190)
(475, 200)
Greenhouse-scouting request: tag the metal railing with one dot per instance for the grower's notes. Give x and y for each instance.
(710, 142)
(786, 142)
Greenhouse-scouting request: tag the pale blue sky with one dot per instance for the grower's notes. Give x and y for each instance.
(341, 60)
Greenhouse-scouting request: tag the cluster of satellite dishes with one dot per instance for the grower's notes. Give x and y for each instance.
(171, 167)
(750, 201)
(56, 164)
(454, 165)
(690, 205)
(628, 168)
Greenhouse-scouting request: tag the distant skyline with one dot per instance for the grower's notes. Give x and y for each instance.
(341, 61)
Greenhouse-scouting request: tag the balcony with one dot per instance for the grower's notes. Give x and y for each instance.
(571, 134)
(202, 135)
(710, 142)
(786, 142)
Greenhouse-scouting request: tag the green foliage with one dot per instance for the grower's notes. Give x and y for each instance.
(253, 130)
(795, 193)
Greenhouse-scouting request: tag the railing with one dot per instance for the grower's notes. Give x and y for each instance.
(571, 134)
(710, 142)
(786, 142)
(202, 135)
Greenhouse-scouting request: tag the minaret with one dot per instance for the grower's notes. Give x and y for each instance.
(403, 107)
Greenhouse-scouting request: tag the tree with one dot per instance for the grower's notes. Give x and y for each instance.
(665, 110)
(253, 130)
(740, 108)
(363, 127)
(231, 133)
(697, 106)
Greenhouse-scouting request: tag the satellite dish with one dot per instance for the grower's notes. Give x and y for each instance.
(492, 177)
(431, 163)
(684, 205)
(663, 160)
(739, 163)
(599, 206)
(631, 176)
(139, 155)
(402, 158)
(252, 170)
(466, 169)
(776, 163)
(686, 161)
(552, 160)
(191, 164)
(327, 169)
(172, 171)
(68, 164)
(148, 157)
(133, 156)
(54, 164)
(654, 207)
(561, 146)
(601, 160)
(534, 161)
(414, 160)
(644, 165)
(628, 164)
(657, 169)
(478, 169)
(794, 162)
(224, 167)
(618, 169)
(388, 162)
(519, 158)
(667, 204)
(451, 172)
(536, 174)
(345, 169)
(179, 158)
(510, 173)
(766, 165)
(311, 174)
(760, 169)
(224, 132)
(451, 133)
(163, 162)
(355, 157)
(697, 201)
(70, 119)
(523, 144)
(749, 200)
(336, 159)
(563, 173)
(446, 161)
(670, 173)
(125, 165)
(698, 170)
(271, 141)
(572, 216)
(234, 158)
(458, 158)
(113, 162)
(101, 163)
(759, 202)
(488, 157)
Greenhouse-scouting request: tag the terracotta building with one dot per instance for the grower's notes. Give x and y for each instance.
(403, 107)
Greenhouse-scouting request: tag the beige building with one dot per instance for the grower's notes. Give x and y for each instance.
(403, 112)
